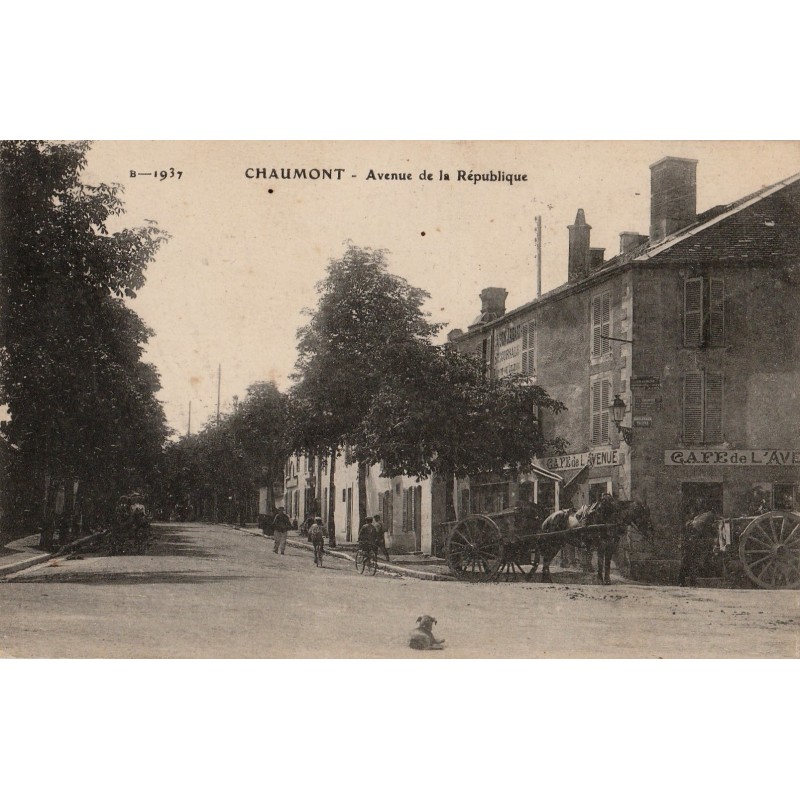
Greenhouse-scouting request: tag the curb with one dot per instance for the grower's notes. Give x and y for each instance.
(382, 567)
(10, 569)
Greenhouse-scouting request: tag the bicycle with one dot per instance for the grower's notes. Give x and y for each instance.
(367, 559)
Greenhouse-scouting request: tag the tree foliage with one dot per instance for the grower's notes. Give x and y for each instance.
(370, 376)
(81, 401)
(217, 472)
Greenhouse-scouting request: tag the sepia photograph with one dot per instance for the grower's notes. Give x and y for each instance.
(399, 399)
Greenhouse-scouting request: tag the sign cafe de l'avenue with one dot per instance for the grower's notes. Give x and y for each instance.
(597, 458)
(746, 458)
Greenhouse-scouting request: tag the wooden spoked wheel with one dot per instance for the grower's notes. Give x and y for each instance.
(475, 548)
(516, 561)
(769, 550)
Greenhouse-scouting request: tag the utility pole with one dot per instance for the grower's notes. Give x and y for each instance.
(538, 256)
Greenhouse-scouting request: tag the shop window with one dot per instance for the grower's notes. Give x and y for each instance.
(783, 496)
(702, 408)
(704, 312)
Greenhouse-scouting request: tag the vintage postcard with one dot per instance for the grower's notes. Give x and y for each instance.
(401, 399)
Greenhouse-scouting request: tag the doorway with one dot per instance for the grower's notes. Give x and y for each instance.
(699, 497)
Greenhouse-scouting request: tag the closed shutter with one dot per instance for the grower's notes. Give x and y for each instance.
(601, 324)
(389, 509)
(693, 408)
(596, 424)
(529, 348)
(405, 510)
(693, 312)
(716, 312)
(713, 415)
(418, 512)
(605, 400)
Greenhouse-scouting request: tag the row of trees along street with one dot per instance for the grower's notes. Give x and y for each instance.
(84, 423)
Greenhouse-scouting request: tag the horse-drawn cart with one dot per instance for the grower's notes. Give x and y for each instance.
(768, 549)
(483, 547)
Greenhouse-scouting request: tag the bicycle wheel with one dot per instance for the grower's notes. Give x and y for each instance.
(372, 563)
(361, 560)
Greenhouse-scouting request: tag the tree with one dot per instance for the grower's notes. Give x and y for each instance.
(81, 401)
(364, 333)
(452, 420)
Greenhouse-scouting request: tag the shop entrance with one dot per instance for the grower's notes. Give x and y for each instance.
(699, 497)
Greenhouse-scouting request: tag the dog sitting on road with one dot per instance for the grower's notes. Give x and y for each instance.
(422, 637)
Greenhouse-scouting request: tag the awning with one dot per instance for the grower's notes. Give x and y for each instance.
(545, 473)
(575, 477)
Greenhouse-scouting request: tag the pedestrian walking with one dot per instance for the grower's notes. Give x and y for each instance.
(317, 536)
(699, 536)
(380, 536)
(281, 525)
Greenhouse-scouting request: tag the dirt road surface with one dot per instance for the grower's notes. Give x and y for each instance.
(215, 592)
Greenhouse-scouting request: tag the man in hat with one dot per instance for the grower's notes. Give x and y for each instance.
(281, 525)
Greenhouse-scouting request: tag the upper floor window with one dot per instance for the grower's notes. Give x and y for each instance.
(600, 400)
(529, 348)
(601, 324)
(702, 408)
(703, 312)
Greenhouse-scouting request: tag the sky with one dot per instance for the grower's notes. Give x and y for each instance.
(229, 288)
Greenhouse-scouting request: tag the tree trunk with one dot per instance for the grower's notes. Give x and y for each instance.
(332, 500)
(362, 494)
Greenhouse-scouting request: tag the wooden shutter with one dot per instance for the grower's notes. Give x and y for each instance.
(605, 401)
(418, 512)
(693, 408)
(693, 312)
(595, 413)
(529, 348)
(405, 510)
(601, 324)
(713, 409)
(716, 312)
(389, 512)
(597, 313)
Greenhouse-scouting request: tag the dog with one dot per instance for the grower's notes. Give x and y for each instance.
(422, 637)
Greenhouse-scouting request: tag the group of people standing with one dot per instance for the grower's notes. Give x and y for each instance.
(371, 534)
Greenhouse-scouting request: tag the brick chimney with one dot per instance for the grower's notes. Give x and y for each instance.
(579, 250)
(673, 196)
(629, 240)
(493, 303)
(597, 255)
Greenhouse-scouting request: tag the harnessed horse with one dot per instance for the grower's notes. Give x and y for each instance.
(615, 514)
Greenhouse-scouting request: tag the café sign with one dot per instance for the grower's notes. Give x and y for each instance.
(597, 458)
(742, 458)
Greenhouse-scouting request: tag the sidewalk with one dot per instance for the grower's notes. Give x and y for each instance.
(23, 553)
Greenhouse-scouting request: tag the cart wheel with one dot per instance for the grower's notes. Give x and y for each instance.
(769, 549)
(475, 548)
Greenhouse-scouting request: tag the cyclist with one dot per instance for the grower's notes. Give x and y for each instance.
(367, 537)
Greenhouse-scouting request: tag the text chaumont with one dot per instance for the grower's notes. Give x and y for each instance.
(296, 173)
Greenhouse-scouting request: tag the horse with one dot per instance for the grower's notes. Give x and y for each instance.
(618, 515)
(608, 511)
(546, 549)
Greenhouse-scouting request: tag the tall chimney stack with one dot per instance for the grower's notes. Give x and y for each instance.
(579, 251)
(493, 302)
(673, 196)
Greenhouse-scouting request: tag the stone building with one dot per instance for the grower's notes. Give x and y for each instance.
(694, 329)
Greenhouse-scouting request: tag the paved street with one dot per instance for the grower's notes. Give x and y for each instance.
(213, 591)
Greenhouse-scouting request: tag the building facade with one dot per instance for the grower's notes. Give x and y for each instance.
(694, 329)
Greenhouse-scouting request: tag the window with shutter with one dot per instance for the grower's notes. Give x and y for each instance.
(693, 408)
(716, 312)
(713, 409)
(601, 324)
(418, 512)
(600, 399)
(405, 510)
(529, 348)
(693, 312)
(702, 408)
